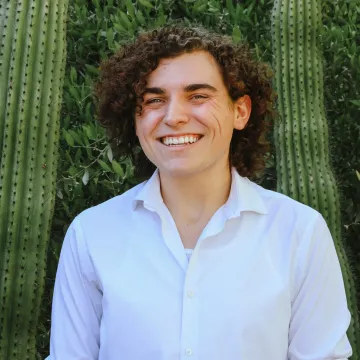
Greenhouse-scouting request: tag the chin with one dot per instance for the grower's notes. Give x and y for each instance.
(179, 170)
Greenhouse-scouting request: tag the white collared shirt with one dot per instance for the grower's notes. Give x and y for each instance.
(263, 282)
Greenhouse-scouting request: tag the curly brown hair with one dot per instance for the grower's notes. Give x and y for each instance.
(123, 77)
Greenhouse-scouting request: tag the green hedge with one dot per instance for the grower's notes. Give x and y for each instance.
(88, 172)
(341, 47)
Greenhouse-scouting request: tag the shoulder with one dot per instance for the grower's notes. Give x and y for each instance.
(117, 209)
(276, 201)
(287, 212)
(299, 228)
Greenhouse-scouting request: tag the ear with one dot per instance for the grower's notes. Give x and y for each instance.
(242, 112)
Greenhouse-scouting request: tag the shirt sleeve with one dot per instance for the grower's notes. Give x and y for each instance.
(320, 316)
(76, 305)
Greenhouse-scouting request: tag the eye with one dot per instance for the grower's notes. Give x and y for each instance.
(198, 97)
(153, 101)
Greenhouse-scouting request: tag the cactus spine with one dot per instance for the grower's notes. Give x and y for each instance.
(301, 136)
(32, 66)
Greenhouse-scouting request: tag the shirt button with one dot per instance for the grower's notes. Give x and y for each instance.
(190, 294)
(188, 352)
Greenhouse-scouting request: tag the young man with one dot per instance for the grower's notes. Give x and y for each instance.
(198, 262)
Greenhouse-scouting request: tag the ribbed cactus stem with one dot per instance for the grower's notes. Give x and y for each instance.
(32, 66)
(301, 135)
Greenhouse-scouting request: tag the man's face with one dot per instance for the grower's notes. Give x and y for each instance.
(188, 118)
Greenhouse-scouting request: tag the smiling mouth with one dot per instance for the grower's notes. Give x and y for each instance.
(180, 140)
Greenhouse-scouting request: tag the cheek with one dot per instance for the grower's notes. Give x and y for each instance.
(214, 116)
(147, 124)
(220, 122)
(206, 114)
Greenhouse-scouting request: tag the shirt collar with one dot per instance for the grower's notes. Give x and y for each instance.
(243, 195)
(149, 194)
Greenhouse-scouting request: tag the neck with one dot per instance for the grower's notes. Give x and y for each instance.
(197, 197)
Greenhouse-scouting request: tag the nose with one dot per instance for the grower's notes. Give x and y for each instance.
(176, 114)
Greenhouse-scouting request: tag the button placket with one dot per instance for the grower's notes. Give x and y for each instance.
(190, 313)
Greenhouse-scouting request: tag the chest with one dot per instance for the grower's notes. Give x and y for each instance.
(190, 234)
(191, 231)
(225, 297)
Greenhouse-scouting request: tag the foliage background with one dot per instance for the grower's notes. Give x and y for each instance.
(89, 173)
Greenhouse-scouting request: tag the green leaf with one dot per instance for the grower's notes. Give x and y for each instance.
(117, 168)
(213, 10)
(66, 208)
(238, 13)
(77, 156)
(249, 10)
(129, 173)
(76, 137)
(90, 132)
(105, 166)
(110, 154)
(86, 33)
(130, 8)
(66, 122)
(140, 17)
(68, 157)
(126, 20)
(92, 69)
(236, 34)
(78, 190)
(355, 102)
(110, 37)
(146, 3)
(230, 6)
(73, 171)
(73, 75)
(69, 139)
(92, 189)
(74, 93)
(83, 92)
(88, 113)
(119, 27)
(357, 174)
(199, 7)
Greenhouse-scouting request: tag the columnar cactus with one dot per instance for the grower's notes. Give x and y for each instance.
(32, 64)
(301, 135)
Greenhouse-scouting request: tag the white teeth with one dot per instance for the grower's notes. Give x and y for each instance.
(180, 140)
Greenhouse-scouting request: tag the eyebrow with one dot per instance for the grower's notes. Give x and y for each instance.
(187, 88)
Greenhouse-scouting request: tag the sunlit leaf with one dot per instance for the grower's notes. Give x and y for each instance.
(146, 3)
(117, 168)
(85, 178)
(104, 165)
